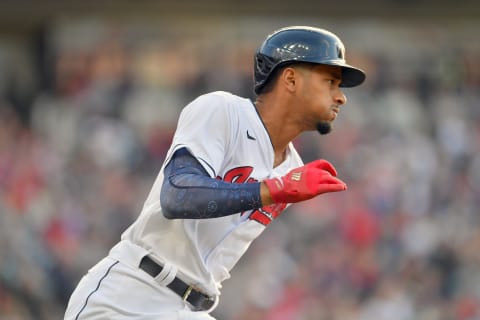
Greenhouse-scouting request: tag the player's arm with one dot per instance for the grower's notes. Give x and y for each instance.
(188, 192)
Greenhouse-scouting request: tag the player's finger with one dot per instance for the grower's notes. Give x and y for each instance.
(331, 188)
(325, 165)
(332, 182)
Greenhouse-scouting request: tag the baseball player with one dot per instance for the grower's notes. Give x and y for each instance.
(230, 171)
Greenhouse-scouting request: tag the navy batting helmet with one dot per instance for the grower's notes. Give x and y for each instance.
(303, 44)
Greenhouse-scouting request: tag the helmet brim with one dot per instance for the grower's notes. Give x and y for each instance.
(351, 76)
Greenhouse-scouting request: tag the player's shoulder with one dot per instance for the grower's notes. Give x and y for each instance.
(222, 96)
(217, 101)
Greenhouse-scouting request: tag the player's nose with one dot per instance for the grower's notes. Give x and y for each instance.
(340, 98)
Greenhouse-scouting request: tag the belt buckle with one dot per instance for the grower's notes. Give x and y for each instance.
(187, 293)
(205, 304)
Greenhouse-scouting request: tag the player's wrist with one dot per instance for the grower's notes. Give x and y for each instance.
(265, 194)
(276, 190)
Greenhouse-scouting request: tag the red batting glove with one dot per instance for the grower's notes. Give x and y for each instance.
(305, 182)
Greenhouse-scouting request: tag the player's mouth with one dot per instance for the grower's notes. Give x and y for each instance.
(335, 110)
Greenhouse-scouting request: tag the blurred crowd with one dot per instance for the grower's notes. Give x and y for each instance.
(81, 144)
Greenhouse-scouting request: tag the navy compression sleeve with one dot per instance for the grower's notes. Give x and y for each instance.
(188, 192)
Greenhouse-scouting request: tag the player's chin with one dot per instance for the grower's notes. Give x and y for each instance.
(324, 127)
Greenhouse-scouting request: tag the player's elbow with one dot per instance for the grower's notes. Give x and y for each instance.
(169, 200)
(168, 214)
(169, 210)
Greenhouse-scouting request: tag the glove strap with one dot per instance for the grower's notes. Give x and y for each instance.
(261, 216)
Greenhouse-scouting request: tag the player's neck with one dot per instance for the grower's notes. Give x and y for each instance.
(280, 127)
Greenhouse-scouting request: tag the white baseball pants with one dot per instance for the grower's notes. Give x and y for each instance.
(113, 289)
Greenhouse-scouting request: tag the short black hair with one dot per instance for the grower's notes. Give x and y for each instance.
(272, 79)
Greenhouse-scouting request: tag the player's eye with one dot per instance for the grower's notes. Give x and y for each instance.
(331, 82)
(334, 82)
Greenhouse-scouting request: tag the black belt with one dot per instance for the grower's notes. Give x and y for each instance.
(197, 299)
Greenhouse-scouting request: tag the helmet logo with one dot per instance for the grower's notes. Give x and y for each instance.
(328, 52)
(340, 52)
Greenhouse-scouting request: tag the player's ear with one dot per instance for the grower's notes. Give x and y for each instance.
(288, 78)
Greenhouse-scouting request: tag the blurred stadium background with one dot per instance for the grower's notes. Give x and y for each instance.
(89, 96)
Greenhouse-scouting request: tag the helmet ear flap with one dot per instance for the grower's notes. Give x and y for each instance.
(264, 66)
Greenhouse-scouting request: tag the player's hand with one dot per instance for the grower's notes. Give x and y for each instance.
(267, 214)
(305, 182)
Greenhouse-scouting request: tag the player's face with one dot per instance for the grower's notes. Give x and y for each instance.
(321, 97)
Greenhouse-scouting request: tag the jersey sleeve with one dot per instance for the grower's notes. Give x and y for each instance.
(205, 129)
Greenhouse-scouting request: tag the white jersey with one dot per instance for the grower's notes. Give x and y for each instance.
(225, 134)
